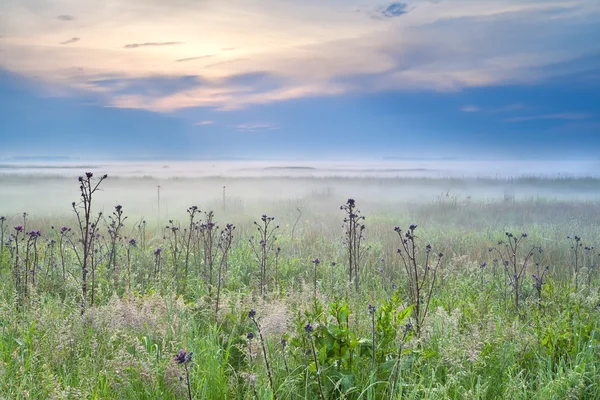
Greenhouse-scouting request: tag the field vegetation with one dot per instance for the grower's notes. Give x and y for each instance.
(299, 288)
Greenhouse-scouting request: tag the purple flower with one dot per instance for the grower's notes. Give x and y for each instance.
(118, 208)
(308, 328)
(34, 234)
(483, 264)
(351, 202)
(250, 335)
(89, 175)
(333, 263)
(396, 229)
(19, 228)
(64, 229)
(283, 342)
(252, 313)
(183, 357)
(412, 227)
(132, 242)
(371, 309)
(157, 251)
(316, 261)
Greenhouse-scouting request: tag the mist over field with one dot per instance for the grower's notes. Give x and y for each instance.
(252, 186)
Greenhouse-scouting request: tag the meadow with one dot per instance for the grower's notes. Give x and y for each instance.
(299, 287)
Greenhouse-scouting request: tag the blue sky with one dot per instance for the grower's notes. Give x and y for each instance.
(304, 80)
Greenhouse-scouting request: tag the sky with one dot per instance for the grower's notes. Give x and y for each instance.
(280, 79)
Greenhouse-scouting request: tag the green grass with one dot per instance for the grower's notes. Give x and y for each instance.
(474, 344)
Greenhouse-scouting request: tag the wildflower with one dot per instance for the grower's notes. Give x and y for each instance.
(34, 234)
(132, 242)
(89, 175)
(524, 235)
(412, 227)
(308, 328)
(118, 208)
(157, 251)
(428, 248)
(351, 202)
(483, 265)
(333, 263)
(250, 335)
(371, 309)
(316, 261)
(19, 228)
(283, 342)
(252, 313)
(396, 229)
(183, 357)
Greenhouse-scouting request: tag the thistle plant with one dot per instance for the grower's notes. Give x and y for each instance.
(421, 272)
(189, 234)
(515, 262)
(316, 263)
(252, 316)
(576, 247)
(16, 267)
(249, 338)
(31, 257)
(353, 235)
(174, 250)
(266, 229)
(224, 246)
(86, 224)
(3, 227)
(308, 328)
(277, 253)
(114, 227)
(63, 232)
(372, 313)
(131, 244)
(184, 358)
(157, 263)
(209, 232)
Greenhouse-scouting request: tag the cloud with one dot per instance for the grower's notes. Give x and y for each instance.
(307, 51)
(204, 123)
(194, 58)
(72, 40)
(65, 17)
(149, 44)
(470, 109)
(395, 10)
(559, 116)
(256, 127)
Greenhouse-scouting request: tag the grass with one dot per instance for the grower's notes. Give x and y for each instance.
(473, 344)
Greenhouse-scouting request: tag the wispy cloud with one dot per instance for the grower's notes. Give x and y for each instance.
(305, 50)
(470, 109)
(72, 40)
(257, 127)
(194, 58)
(559, 116)
(201, 123)
(395, 10)
(65, 17)
(150, 44)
